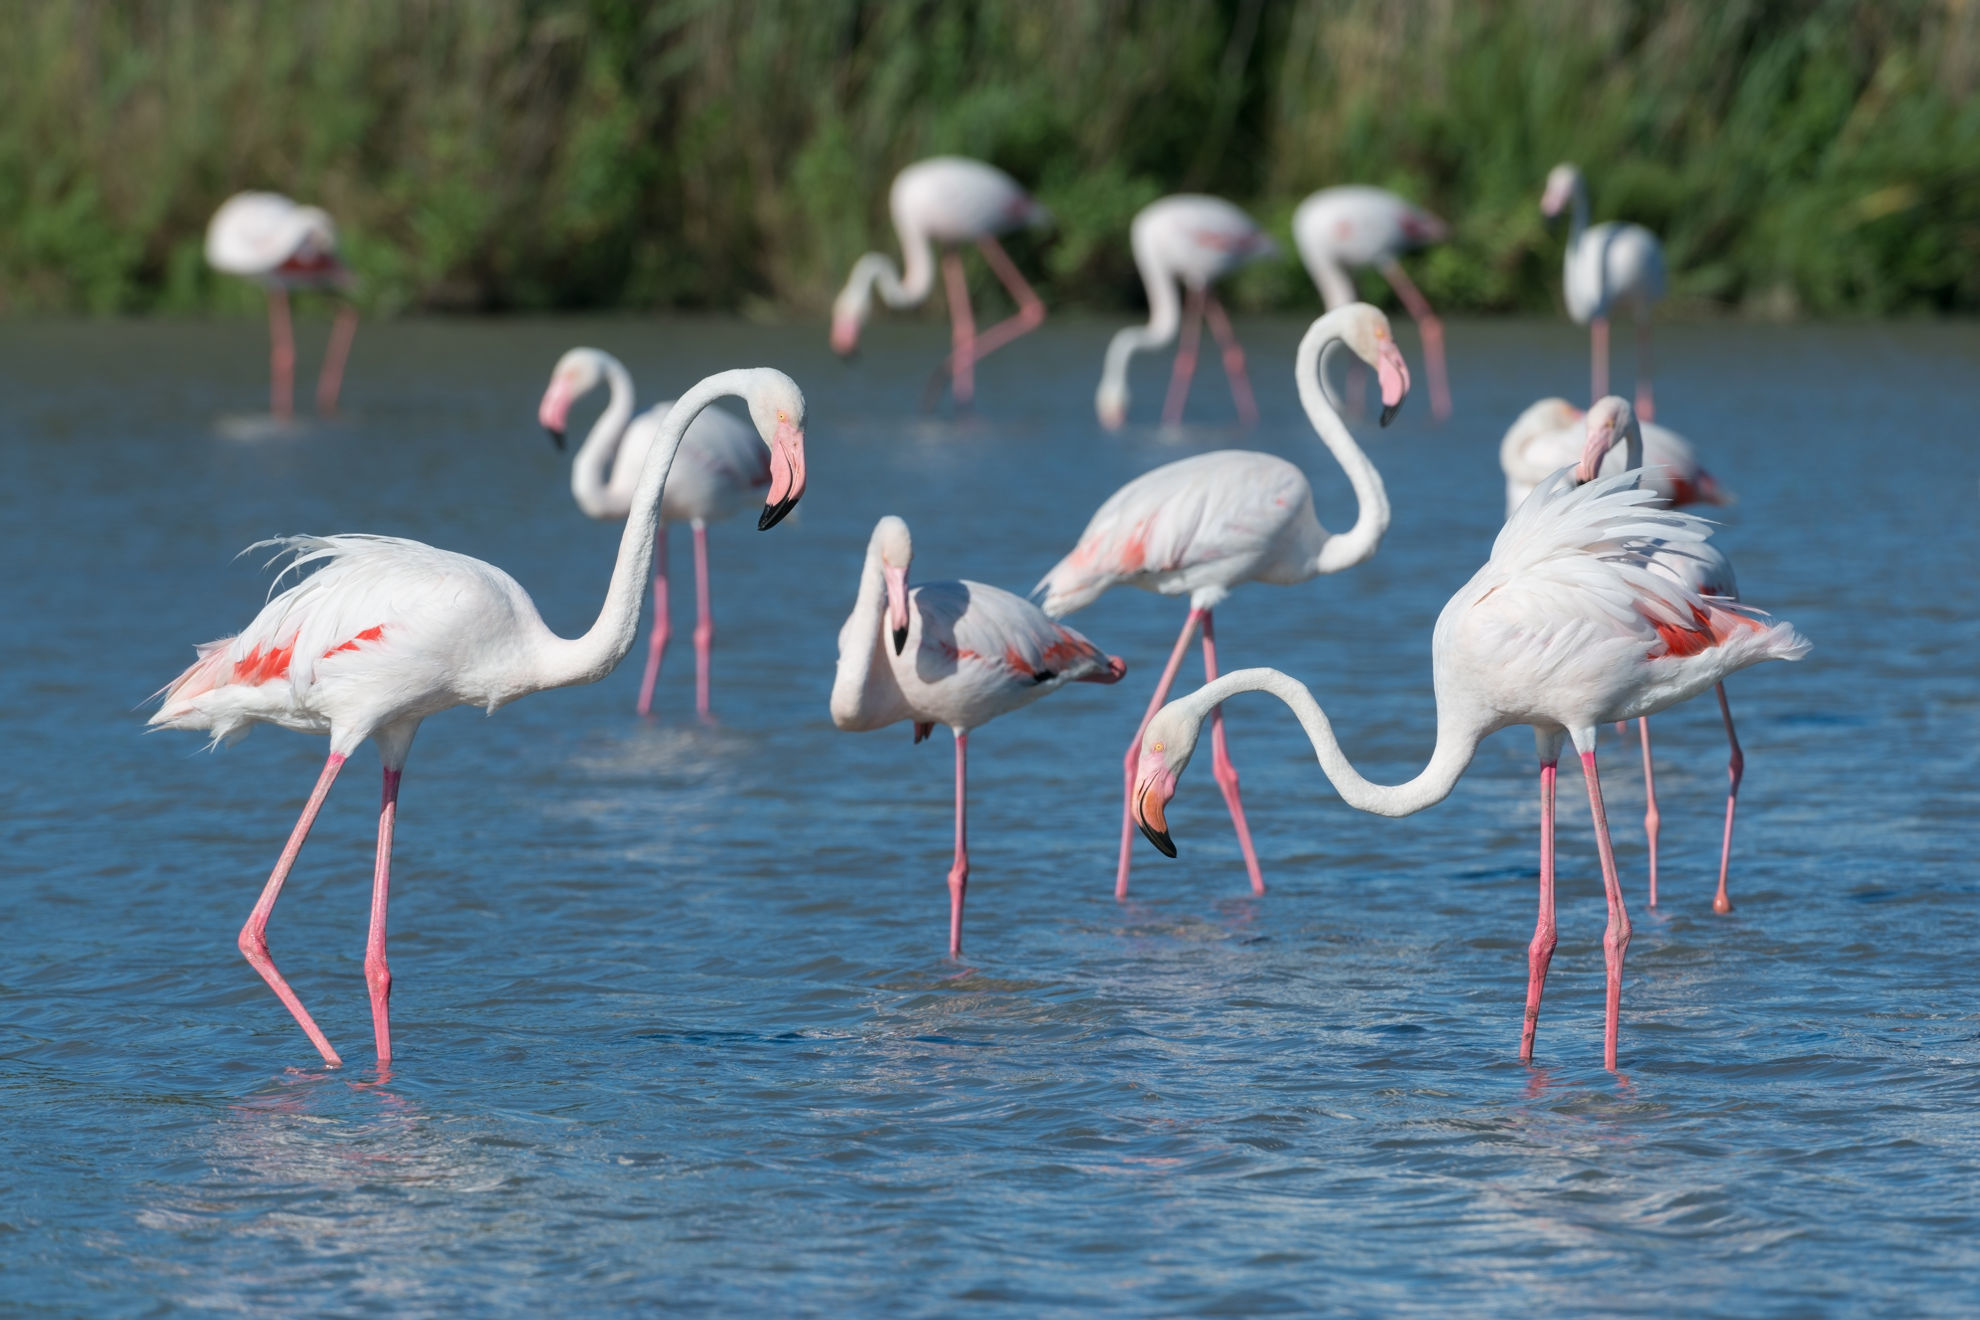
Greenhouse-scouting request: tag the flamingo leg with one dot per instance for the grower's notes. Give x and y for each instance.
(704, 623)
(1651, 819)
(331, 380)
(1735, 770)
(281, 354)
(1615, 938)
(1220, 326)
(959, 870)
(961, 365)
(1540, 953)
(1432, 331)
(253, 939)
(656, 642)
(1220, 761)
(1598, 358)
(1185, 368)
(377, 975)
(1133, 761)
(1031, 309)
(1646, 403)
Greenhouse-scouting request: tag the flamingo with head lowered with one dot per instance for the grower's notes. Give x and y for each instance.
(283, 246)
(387, 632)
(1552, 433)
(1606, 267)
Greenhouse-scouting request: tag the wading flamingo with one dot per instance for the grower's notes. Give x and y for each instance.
(1192, 241)
(270, 239)
(1552, 433)
(389, 631)
(954, 653)
(1340, 229)
(1607, 266)
(1567, 626)
(1203, 525)
(948, 200)
(718, 473)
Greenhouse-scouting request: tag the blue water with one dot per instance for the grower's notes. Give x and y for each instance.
(673, 1016)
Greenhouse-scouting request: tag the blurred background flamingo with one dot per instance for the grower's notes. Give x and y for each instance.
(1552, 433)
(285, 246)
(1606, 267)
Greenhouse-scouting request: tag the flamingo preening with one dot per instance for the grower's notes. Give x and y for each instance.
(1552, 433)
(1607, 266)
(283, 246)
(949, 200)
(1203, 525)
(954, 653)
(1569, 625)
(716, 475)
(1190, 241)
(387, 632)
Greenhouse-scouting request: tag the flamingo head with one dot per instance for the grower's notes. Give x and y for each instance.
(577, 373)
(776, 405)
(849, 313)
(1610, 422)
(1166, 746)
(894, 548)
(1111, 404)
(1366, 332)
(1562, 181)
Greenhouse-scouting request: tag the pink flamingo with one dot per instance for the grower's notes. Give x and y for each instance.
(1203, 525)
(266, 237)
(717, 475)
(949, 200)
(954, 653)
(389, 631)
(1607, 266)
(1192, 241)
(1340, 229)
(1552, 433)
(1568, 625)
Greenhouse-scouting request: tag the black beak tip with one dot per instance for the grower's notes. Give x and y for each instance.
(900, 640)
(1389, 412)
(1160, 838)
(556, 437)
(774, 513)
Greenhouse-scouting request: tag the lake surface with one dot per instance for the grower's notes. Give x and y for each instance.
(674, 1019)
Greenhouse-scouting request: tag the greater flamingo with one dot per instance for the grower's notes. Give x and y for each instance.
(1568, 625)
(717, 475)
(1607, 266)
(1552, 433)
(1192, 241)
(388, 631)
(954, 653)
(949, 200)
(282, 245)
(1203, 525)
(1340, 229)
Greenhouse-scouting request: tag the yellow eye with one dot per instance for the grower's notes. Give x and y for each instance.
(1158, 747)
(783, 416)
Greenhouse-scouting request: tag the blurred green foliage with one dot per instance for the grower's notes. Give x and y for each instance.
(1796, 155)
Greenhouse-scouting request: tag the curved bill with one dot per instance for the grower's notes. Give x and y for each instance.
(897, 605)
(786, 476)
(1394, 374)
(1152, 822)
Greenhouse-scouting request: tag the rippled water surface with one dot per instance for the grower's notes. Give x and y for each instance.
(674, 1019)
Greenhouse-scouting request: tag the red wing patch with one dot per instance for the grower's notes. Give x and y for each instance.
(368, 635)
(259, 666)
(1709, 630)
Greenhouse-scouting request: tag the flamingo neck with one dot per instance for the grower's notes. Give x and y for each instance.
(860, 640)
(1164, 317)
(1330, 276)
(876, 272)
(590, 484)
(1359, 542)
(1577, 216)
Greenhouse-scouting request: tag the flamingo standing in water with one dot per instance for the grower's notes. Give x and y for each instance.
(1203, 525)
(1567, 626)
(954, 653)
(717, 475)
(949, 200)
(1552, 433)
(1339, 229)
(268, 238)
(1607, 266)
(1192, 241)
(389, 631)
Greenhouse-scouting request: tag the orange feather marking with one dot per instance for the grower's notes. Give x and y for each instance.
(368, 635)
(259, 666)
(1711, 628)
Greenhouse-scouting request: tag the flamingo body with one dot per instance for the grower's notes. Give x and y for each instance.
(1551, 434)
(285, 246)
(953, 199)
(1606, 268)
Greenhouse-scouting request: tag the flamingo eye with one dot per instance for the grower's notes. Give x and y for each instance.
(783, 416)
(1158, 747)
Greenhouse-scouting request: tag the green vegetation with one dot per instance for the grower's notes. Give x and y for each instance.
(491, 154)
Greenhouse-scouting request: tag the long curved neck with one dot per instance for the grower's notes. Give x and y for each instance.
(1358, 542)
(876, 273)
(860, 637)
(1164, 316)
(590, 483)
(1336, 287)
(1455, 745)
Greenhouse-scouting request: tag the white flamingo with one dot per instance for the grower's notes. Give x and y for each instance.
(283, 246)
(1607, 266)
(1552, 433)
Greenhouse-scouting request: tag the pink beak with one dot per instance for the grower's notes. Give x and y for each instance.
(845, 335)
(1394, 374)
(786, 476)
(897, 605)
(1593, 453)
(555, 409)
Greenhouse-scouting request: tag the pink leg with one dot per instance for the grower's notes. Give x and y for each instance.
(962, 351)
(378, 976)
(1615, 939)
(1220, 326)
(1220, 761)
(253, 940)
(1133, 761)
(281, 354)
(1432, 331)
(1598, 358)
(1185, 368)
(704, 624)
(1540, 953)
(1031, 310)
(959, 870)
(656, 643)
(1646, 403)
(1735, 770)
(331, 380)
(1651, 820)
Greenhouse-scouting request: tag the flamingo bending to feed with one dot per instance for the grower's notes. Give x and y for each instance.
(1567, 626)
(388, 631)
(717, 475)
(1203, 525)
(949, 200)
(1192, 241)
(954, 653)
(1607, 266)
(266, 237)
(1552, 433)
(1339, 229)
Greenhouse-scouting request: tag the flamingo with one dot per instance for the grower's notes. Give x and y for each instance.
(716, 475)
(1568, 625)
(283, 245)
(1608, 266)
(1203, 525)
(1192, 241)
(1552, 433)
(1339, 229)
(949, 200)
(388, 631)
(961, 656)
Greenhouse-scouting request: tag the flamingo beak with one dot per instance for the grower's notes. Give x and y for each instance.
(845, 335)
(555, 410)
(1151, 796)
(1593, 453)
(786, 476)
(1394, 375)
(897, 606)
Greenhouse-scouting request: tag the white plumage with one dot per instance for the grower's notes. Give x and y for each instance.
(1550, 435)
